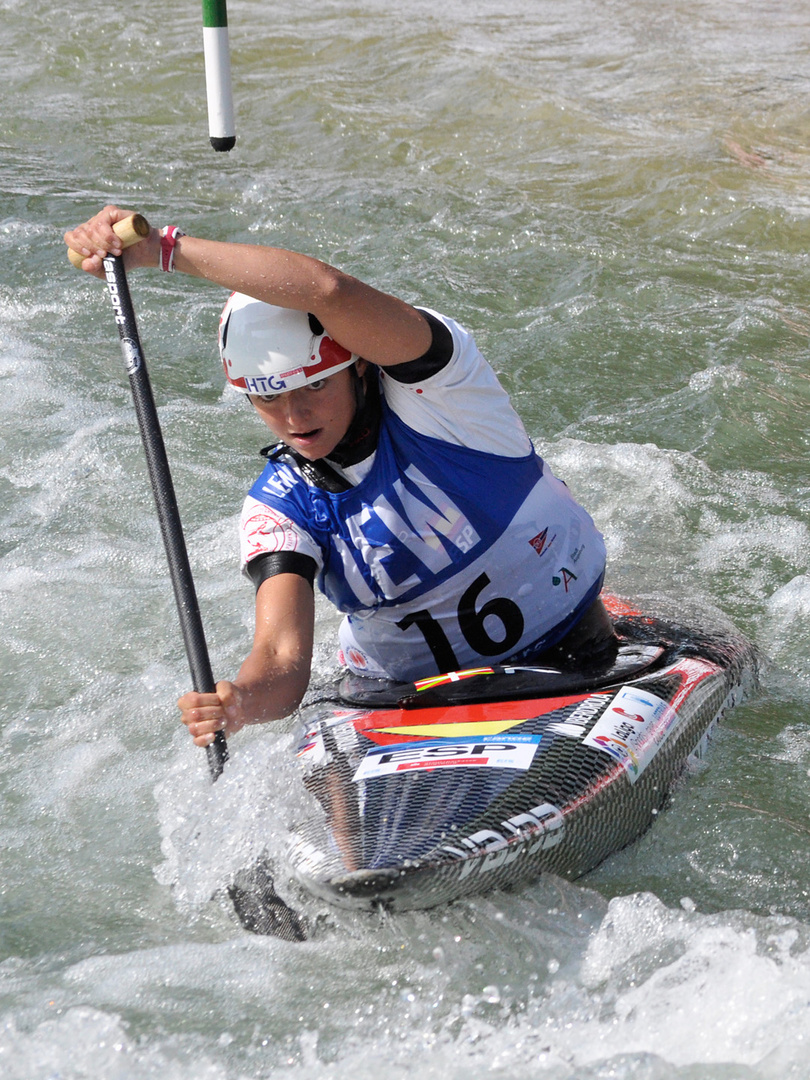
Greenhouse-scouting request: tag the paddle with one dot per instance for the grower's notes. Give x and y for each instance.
(130, 231)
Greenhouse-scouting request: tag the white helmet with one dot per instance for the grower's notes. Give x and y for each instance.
(269, 350)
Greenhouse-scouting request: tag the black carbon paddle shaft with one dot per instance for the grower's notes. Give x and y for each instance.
(163, 489)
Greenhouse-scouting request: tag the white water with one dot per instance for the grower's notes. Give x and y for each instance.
(614, 196)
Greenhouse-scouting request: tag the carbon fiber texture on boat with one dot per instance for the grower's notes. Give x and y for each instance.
(420, 802)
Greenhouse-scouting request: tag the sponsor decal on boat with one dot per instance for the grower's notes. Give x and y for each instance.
(487, 751)
(540, 828)
(576, 722)
(456, 730)
(632, 729)
(387, 727)
(312, 744)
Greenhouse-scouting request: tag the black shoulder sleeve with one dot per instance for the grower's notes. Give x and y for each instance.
(280, 562)
(437, 357)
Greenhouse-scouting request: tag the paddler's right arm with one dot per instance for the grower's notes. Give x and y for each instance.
(272, 681)
(381, 328)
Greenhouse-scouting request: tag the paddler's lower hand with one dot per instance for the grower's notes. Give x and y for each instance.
(95, 238)
(206, 714)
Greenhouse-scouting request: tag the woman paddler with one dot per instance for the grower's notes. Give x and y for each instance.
(402, 481)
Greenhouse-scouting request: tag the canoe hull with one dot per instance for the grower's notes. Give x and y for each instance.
(429, 792)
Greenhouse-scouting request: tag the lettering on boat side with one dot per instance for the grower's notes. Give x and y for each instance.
(540, 828)
(576, 722)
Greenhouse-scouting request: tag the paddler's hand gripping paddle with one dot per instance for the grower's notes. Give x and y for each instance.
(130, 231)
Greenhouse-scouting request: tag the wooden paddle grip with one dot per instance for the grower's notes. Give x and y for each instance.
(129, 231)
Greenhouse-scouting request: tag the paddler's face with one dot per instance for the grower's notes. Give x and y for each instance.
(314, 418)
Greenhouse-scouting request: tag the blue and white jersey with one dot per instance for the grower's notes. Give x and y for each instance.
(445, 553)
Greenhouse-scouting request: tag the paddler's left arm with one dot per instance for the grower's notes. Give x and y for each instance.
(273, 679)
(377, 326)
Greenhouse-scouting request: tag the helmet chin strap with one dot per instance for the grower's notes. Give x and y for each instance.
(361, 436)
(359, 388)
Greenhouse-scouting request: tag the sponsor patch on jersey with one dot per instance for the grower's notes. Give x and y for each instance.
(488, 751)
(632, 729)
(541, 542)
(356, 658)
(564, 577)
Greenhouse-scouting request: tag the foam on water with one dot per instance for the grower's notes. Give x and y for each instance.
(553, 983)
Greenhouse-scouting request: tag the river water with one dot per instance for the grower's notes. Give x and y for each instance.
(614, 196)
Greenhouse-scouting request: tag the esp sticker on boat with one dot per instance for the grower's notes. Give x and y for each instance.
(487, 751)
